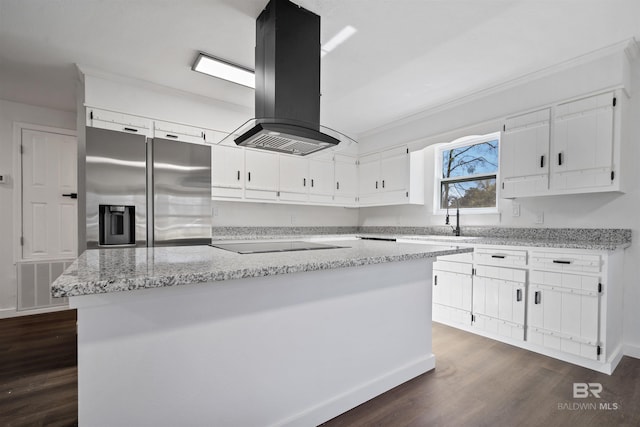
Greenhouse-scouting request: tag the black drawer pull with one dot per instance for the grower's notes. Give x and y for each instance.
(519, 295)
(131, 130)
(541, 161)
(537, 297)
(238, 175)
(172, 136)
(304, 182)
(71, 195)
(559, 159)
(312, 182)
(561, 261)
(498, 256)
(435, 280)
(249, 176)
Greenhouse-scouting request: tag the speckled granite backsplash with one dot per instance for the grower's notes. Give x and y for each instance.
(604, 235)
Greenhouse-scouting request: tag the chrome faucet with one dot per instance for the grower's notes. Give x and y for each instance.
(456, 230)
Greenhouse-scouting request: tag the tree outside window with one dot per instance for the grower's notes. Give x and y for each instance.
(469, 174)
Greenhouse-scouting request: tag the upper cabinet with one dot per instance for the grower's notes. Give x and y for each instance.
(321, 175)
(261, 174)
(345, 180)
(583, 144)
(177, 132)
(524, 156)
(571, 147)
(391, 177)
(118, 121)
(227, 171)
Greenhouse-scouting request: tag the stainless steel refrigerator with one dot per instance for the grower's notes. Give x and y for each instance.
(146, 192)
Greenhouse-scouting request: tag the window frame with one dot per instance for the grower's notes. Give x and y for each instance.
(464, 141)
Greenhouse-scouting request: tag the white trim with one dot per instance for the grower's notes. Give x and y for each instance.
(18, 127)
(632, 350)
(437, 170)
(12, 312)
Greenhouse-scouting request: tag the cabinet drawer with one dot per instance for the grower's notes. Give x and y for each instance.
(465, 257)
(117, 121)
(561, 261)
(501, 257)
(561, 282)
(177, 132)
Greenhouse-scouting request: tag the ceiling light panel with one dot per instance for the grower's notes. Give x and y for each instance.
(222, 69)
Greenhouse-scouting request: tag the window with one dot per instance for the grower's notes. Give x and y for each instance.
(467, 173)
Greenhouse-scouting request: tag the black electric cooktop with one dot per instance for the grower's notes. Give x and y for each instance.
(266, 247)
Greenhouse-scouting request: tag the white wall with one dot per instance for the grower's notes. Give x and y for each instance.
(483, 114)
(10, 113)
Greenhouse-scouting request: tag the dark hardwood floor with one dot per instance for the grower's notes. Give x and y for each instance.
(38, 370)
(477, 382)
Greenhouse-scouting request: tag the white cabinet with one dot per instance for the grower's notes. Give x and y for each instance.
(261, 174)
(321, 175)
(583, 141)
(564, 312)
(118, 121)
(524, 154)
(499, 300)
(227, 171)
(294, 178)
(346, 180)
(452, 289)
(570, 147)
(178, 132)
(391, 177)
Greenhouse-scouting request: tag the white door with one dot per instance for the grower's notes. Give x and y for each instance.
(369, 185)
(261, 170)
(227, 167)
(294, 175)
(49, 179)
(394, 172)
(321, 175)
(583, 143)
(346, 179)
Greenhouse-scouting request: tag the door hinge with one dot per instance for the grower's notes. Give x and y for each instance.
(614, 101)
(598, 350)
(21, 241)
(613, 174)
(21, 149)
(599, 288)
(503, 185)
(473, 318)
(473, 271)
(407, 194)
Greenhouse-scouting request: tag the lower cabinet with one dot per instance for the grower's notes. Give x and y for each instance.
(565, 304)
(499, 301)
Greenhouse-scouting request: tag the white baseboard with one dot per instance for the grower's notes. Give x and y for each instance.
(632, 350)
(356, 396)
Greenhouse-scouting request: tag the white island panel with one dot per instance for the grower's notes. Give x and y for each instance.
(293, 349)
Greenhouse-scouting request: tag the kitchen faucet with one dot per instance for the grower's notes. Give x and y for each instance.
(456, 230)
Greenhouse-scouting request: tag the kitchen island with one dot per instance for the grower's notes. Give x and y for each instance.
(203, 336)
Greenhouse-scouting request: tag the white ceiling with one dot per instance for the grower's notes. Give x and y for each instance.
(406, 56)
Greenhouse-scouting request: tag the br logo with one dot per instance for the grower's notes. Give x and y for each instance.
(583, 390)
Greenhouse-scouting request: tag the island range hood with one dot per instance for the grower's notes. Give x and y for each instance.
(287, 96)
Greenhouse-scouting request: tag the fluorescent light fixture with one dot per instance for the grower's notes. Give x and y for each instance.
(226, 70)
(337, 40)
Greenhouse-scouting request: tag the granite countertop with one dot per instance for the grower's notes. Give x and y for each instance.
(124, 269)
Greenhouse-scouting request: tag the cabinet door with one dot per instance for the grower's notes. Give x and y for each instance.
(227, 167)
(394, 170)
(563, 312)
(261, 170)
(178, 132)
(369, 176)
(524, 154)
(346, 178)
(294, 175)
(452, 285)
(583, 143)
(118, 121)
(321, 177)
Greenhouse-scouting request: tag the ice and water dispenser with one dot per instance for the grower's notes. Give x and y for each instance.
(117, 225)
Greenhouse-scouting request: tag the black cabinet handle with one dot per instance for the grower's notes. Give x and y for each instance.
(537, 297)
(559, 159)
(337, 185)
(561, 261)
(304, 182)
(376, 185)
(383, 183)
(519, 295)
(172, 136)
(435, 280)
(498, 256)
(249, 176)
(238, 175)
(542, 161)
(71, 195)
(312, 182)
(131, 130)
